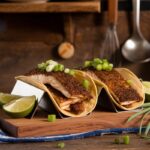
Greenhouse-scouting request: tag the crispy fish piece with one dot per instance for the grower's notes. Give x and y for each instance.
(69, 86)
(126, 96)
(66, 91)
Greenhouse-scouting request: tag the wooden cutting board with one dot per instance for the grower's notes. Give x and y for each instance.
(92, 122)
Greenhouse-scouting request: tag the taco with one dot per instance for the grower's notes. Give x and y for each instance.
(66, 91)
(122, 86)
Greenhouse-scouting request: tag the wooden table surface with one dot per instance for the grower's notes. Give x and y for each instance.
(93, 143)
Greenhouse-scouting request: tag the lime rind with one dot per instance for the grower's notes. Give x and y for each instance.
(146, 85)
(6, 98)
(21, 107)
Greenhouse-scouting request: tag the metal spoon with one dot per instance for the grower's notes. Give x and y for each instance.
(136, 49)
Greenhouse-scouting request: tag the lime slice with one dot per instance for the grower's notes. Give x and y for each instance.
(5, 98)
(147, 90)
(21, 107)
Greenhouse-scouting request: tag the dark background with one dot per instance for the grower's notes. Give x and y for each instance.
(29, 38)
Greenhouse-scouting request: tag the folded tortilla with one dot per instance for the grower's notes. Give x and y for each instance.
(66, 91)
(122, 86)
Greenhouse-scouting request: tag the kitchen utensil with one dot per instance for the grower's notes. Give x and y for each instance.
(66, 49)
(110, 48)
(136, 49)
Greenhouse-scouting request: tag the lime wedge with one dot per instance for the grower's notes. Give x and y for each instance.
(146, 85)
(5, 98)
(21, 107)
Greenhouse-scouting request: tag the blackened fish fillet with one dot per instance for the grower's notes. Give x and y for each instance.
(117, 85)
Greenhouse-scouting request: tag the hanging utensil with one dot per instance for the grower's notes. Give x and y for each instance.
(66, 49)
(136, 49)
(110, 48)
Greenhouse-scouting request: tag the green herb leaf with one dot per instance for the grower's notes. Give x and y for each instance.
(138, 113)
(146, 105)
(141, 124)
(147, 129)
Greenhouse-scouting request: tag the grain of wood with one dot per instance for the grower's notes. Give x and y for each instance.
(51, 7)
(41, 127)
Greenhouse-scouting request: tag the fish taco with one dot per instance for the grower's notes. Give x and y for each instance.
(72, 92)
(122, 86)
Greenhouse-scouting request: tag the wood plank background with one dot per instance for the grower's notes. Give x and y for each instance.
(27, 39)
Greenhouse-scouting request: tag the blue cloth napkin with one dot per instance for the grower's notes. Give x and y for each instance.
(8, 139)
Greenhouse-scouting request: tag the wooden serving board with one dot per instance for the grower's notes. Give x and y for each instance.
(92, 122)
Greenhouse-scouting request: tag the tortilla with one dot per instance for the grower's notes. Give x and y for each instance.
(135, 88)
(80, 76)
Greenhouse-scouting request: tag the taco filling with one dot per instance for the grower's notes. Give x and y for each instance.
(67, 90)
(120, 89)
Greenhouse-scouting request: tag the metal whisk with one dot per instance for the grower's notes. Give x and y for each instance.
(111, 48)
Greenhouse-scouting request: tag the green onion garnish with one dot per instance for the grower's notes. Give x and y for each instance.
(126, 140)
(99, 64)
(50, 68)
(105, 66)
(67, 70)
(129, 82)
(42, 66)
(99, 67)
(61, 145)
(86, 84)
(87, 63)
(72, 72)
(52, 118)
(98, 60)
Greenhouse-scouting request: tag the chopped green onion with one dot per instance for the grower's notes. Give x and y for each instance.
(129, 82)
(110, 67)
(61, 67)
(72, 72)
(56, 68)
(87, 63)
(67, 70)
(42, 66)
(99, 67)
(126, 140)
(86, 84)
(52, 118)
(104, 60)
(50, 68)
(98, 60)
(105, 66)
(61, 145)
(117, 140)
(51, 62)
(94, 64)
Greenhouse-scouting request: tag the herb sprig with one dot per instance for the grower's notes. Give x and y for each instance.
(143, 131)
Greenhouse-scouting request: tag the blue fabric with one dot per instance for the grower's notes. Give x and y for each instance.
(5, 138)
